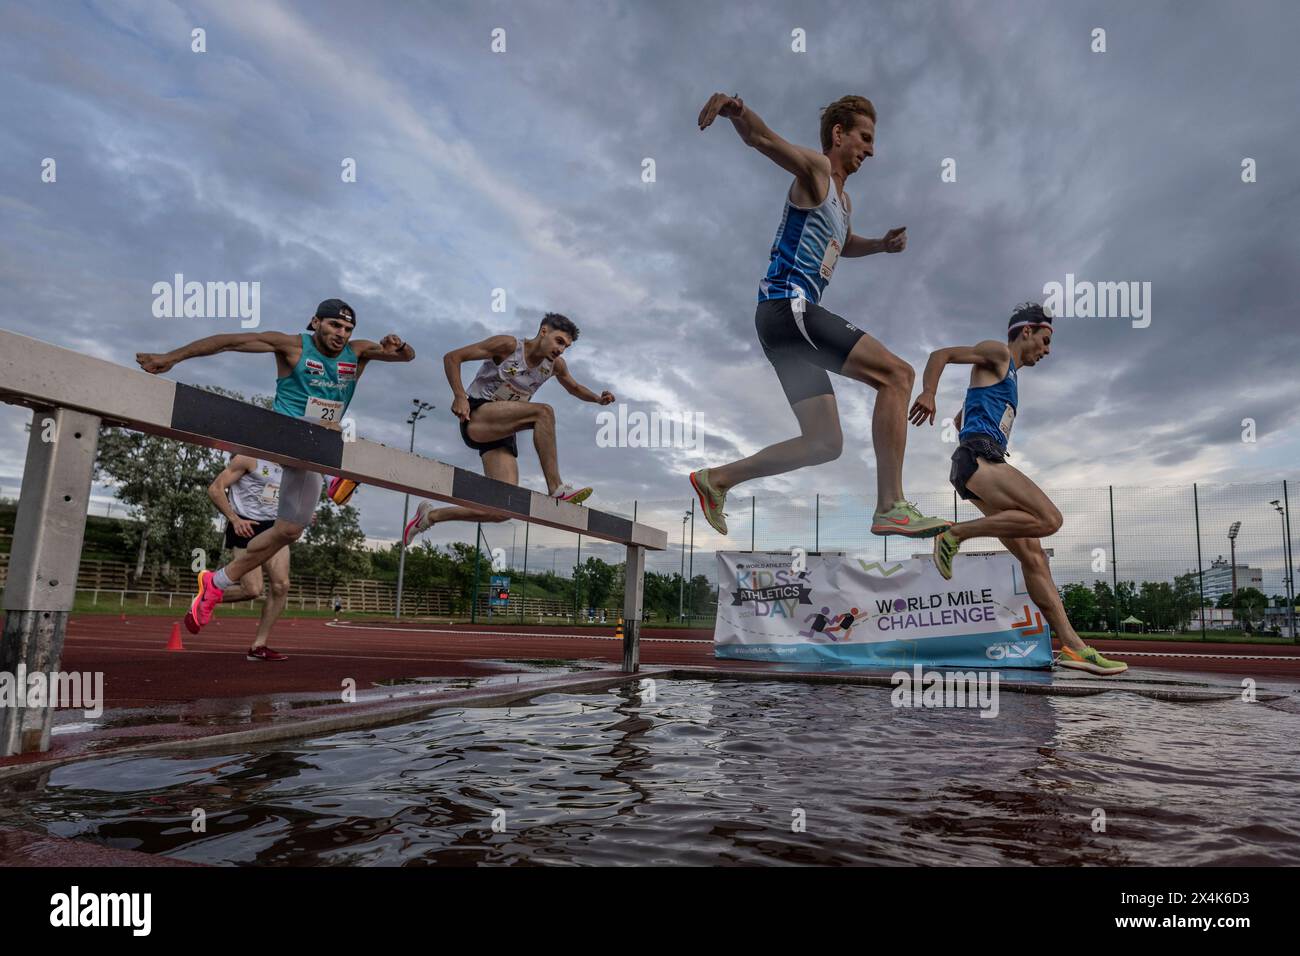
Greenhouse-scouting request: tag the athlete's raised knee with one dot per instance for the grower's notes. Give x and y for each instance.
(902, 375)
(252, 588)
(289, 530)
(825, 447)
(1049, 521)
(543, 412)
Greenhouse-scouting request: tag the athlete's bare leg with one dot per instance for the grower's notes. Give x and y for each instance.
(892, 378)
(497, 463)
(820, 440)
(260, 550)
(250, 585)
(277, 568)
(1014, 505)
(501, 419)
(1039, 583)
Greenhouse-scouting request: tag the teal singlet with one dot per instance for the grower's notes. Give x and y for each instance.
(319, 388)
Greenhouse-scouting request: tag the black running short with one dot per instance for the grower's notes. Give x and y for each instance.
(235, 541)
(965, 461)
(803, 344)
(508, 443)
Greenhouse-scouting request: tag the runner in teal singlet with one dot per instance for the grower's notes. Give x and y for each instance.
(318, 372)
(1017, 512)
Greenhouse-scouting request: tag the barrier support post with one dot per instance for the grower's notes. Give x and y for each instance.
(46, 552)
(633, 596)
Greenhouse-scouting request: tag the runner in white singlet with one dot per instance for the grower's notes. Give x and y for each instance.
(498, 403)
(247, 492)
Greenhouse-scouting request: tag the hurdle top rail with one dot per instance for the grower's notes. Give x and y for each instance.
(78, 393)
(36, 373)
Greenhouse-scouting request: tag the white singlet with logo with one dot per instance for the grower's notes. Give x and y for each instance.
(256, 496)
(512, 380)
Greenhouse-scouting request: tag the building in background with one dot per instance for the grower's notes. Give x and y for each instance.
(1218, 579)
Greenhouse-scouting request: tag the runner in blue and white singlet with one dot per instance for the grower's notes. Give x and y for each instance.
(808, 244)
(806, 342)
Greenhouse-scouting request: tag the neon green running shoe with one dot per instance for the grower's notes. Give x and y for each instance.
(1090, 660)
(946, 546)
(903, 518)
(711, 500)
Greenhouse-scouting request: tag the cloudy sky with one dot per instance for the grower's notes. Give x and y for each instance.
(522, 170)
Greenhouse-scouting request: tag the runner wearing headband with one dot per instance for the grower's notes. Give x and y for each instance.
(1017, 512)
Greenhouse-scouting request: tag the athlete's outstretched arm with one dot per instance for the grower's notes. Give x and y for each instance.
(893, 241)
(565, 378)
(799, 161)
(496, 347)
(989, 354)
(236, 342)
(391, 348)
(236, 468)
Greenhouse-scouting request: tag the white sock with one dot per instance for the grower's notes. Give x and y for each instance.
(221, 580)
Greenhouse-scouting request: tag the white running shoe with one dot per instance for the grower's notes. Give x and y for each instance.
(566, 492)
(420, 523)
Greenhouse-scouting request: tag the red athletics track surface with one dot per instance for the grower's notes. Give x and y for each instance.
(139, 672)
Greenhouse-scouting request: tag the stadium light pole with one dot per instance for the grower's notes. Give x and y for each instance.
(1288, 572)
(416, 414)
(681, 577)
(1232, 552)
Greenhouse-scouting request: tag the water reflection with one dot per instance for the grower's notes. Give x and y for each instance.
(721, 773)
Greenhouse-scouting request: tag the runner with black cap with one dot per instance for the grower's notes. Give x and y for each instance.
(1017, 512)
(498, 404)
(318, 373)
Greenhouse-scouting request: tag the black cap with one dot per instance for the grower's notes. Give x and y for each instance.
(335, 309)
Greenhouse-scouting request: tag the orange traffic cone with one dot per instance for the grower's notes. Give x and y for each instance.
(175, 643)
(123, 618)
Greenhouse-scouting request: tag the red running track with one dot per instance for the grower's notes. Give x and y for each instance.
(140, 672)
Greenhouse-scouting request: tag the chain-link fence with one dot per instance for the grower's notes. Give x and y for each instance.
(1123, 537)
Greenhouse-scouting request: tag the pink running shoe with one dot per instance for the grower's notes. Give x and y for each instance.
(265, 654)
(420, 523)
(204, 603)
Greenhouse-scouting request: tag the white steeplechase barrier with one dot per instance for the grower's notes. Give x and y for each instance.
(72, 395)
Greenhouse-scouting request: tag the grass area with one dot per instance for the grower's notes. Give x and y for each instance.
(1215, 637)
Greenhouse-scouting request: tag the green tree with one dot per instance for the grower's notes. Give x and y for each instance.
(1249, 607)
(1081, 607)
(1105, 604)
(332, 549)
(166, 482)
(594, 579)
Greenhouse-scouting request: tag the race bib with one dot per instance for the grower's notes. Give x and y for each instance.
(828, 261)
(1008, 418)
(323, 410)
(505, 392)
(270, 494)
